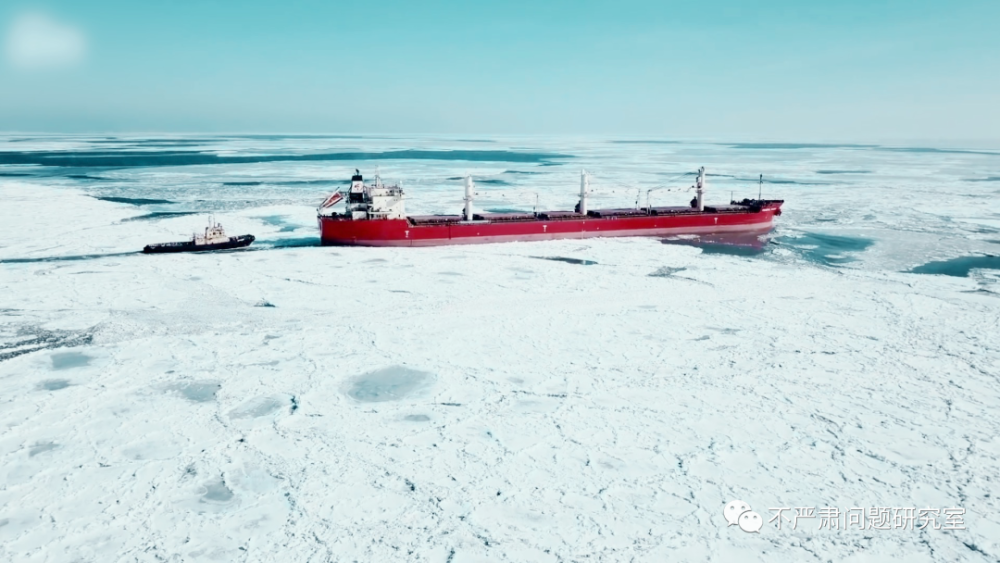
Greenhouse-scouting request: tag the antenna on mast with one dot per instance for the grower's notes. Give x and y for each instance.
(760, 186)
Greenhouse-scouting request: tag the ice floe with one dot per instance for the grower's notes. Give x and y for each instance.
(563, 401)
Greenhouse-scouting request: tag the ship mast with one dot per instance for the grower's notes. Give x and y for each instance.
(584, 191)
(701, 189)
(469, 186)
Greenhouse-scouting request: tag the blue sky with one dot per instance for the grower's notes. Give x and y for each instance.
(846, 70)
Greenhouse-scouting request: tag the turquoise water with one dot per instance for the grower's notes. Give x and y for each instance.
(53, 384)
(732, 244)
(959, 267)
(388, 384)
(942, 196)
(197, 391)
(67, 360)
(826, 249)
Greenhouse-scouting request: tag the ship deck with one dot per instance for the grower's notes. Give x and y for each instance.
(549, 216)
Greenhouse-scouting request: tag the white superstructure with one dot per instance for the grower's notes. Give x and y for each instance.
(214, 234)
(377, 201)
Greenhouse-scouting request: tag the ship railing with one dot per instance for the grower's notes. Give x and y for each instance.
(510, 195)
(650, 191)
(619, 190)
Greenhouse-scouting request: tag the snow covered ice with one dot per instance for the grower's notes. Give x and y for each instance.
(595, 400)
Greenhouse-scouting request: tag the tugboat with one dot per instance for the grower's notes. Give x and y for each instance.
(375, 216)
(214, 239)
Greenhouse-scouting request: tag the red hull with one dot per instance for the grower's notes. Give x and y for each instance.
(338, 230)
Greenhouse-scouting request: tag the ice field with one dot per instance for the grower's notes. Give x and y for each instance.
(594, 400)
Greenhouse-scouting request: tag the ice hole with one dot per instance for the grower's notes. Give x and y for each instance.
(388, 384)
(67, 360)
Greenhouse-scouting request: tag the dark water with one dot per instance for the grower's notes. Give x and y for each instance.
(936, 151)
(732, 244)
(40, 339)
(126, 159)
(487, 181)
(644, 142)
(291, 243)
(306, 182)
(781, 181)
(279, 221)
(87, 177)
(793, 146)
(505, 210)
(577, 261)
(283, 182)
(258, 246)
(66, 258)
(160, 215)
(135, 200)
(959, 267)
(156, 141)
(265, 137)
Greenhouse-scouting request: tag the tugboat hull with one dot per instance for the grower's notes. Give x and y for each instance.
(190, 246)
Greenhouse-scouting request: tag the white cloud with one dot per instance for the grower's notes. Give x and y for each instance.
(36, 41)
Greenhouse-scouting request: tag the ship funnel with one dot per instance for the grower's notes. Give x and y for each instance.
(701, 189)
(584, 192)
(357, 182)
(468, 197)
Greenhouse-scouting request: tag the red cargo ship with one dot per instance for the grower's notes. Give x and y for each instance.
(375, 216)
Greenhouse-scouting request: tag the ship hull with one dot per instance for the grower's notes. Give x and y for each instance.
(338, 230)
(188, 246)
